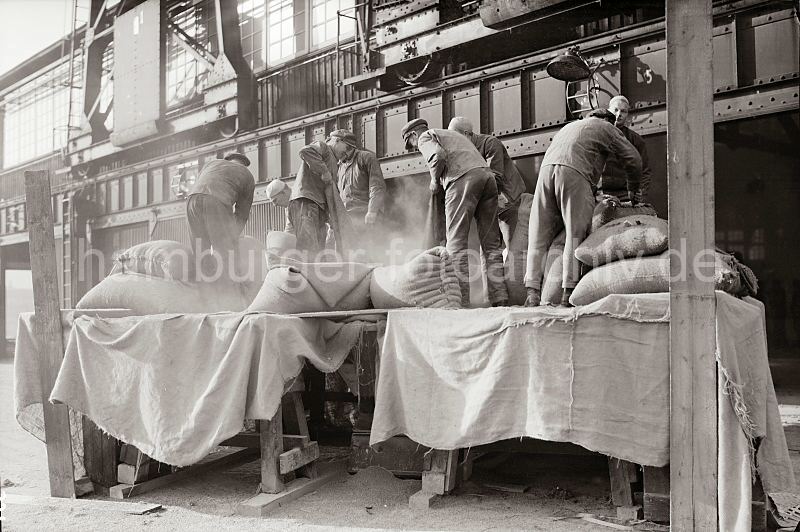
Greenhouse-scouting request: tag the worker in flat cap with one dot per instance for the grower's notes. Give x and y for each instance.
(217, 210)
(361, 187)
(313, 202)
(509, 180)
(470, 191)
(565, 190)
(614, 179)
(279, 194)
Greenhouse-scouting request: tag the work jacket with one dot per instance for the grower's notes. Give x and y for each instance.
(229, 182)
(584, 145)
(448, 154)
(510, 181)
(614, 177)
(317, 157)
(361, 183)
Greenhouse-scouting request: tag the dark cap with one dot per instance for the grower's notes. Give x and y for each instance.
(411, 127)
(345, 136)
(603, 114)
(238, 158)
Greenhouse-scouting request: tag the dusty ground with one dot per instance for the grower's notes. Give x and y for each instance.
(373, 499)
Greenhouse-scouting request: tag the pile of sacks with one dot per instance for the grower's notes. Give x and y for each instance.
(161, 277)
(627, 254)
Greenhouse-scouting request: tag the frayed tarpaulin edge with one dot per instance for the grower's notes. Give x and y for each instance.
(734, 391)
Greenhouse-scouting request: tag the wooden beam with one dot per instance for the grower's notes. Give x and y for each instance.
(47, 329)
(298, 457)
(271, 449)
(690, 176)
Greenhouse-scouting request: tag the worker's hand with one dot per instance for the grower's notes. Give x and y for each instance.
(502, 201)
(327, 178)
(434, 186)
(534, 297)
(370, 218)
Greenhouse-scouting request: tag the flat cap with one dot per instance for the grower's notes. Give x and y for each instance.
(238, 158)
(275, 188)
(345, 136)
(411, 126)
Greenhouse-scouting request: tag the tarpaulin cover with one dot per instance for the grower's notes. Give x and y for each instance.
(597, 376)
(174, 386)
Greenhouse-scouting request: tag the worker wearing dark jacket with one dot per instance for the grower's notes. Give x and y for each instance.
(308, 208)
(362, 190)
(510, 185)
(614, 177)
(470, 191)
(564, 196)
(218, 207)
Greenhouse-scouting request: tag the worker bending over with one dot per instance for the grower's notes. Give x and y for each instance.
(217, 210)
(308, 209)
(564, 196)
(470, 190)
(614, 178)
(362, 189)
(510, 185)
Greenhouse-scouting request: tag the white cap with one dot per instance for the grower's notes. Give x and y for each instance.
(275, 188)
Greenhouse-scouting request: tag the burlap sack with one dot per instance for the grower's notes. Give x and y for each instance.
(518, 253)
(252, 267)
(552, 288)
(644, 275)
(286, 291)
(145, 294)
(428, 280)
(159, 258)
(624, 238)
(610, 208)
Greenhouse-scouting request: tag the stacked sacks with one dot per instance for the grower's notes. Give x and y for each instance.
(428, 280)
(610, 208)
(292, 287)
(152, 278)
(518, 253)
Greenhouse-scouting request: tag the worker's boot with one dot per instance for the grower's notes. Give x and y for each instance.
(565, 297)
(534, 297)
(501, 303)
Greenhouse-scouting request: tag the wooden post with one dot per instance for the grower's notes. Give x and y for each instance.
(271, 449)
(47, 329)
(690, 172)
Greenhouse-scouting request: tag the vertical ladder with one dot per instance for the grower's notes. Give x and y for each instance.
(66, 255)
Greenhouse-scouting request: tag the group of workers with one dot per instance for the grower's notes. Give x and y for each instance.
(340, 184)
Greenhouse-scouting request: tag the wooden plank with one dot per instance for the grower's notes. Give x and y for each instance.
(298, 457)
(263, 503)
(123, 491)
(132, 508)
(47, 329)
(439, 473)
(133, 474)
(271, 449)
(690, 176)
(622, 475)
(252, 440)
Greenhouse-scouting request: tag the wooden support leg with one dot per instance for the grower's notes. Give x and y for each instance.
(438, 477)
(294, 422)
(623, 475)
(271, 449)
(656, 494)
(47, 329)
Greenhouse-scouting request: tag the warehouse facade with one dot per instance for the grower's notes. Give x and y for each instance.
(124, 113)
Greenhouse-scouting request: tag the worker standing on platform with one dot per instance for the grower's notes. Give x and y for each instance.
(470, 191)
(565, 190)
(310, 205)
(509, 181)
(361, 187)
(614, 177)
(218, 208)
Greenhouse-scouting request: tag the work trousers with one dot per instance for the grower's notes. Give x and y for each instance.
(474, 195)
(507, 219)
(309, 222)
(212, 225)
(563, 199)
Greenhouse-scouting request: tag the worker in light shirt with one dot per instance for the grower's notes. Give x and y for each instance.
(470, 191)
(614, 180)
(565, 194)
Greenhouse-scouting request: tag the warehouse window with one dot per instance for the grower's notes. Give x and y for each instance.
(186, 76)
(281, 30)
(253, 27)
(35, 114)
(324, 20)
